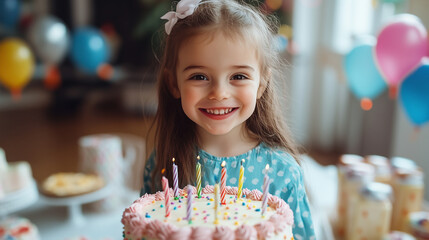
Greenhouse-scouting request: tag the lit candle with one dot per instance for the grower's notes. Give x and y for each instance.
(240, 180)
(216, 207)
(175, 180)
(189, 205)
(223, 184)
(198, 177)
(166, 192)
(265, 190)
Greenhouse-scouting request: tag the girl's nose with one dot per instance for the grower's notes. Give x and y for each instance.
(219, 91)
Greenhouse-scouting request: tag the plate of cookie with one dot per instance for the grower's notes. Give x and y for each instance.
(64, 188)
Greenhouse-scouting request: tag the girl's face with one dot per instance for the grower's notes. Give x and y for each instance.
(218, 81)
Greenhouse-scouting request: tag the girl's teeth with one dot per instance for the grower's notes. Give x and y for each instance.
(219, 111)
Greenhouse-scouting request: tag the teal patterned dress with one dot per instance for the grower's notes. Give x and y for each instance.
(285, 173)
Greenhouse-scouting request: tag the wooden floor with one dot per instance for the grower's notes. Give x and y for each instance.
(50, 143)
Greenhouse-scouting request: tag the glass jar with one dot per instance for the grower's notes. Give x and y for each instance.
(371, 213)
(408, 197)
(355, 176)
(383, 173)
(346, 160)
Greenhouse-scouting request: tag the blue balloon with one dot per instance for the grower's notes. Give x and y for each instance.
(364, 79)
(281, 42)
(89, 49)
(414, 94)
(10, 11)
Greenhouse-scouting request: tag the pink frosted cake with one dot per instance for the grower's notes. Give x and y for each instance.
(238, 219)
(15, 228)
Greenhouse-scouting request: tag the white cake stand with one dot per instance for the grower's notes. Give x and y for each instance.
(74, 203)
(19, 199)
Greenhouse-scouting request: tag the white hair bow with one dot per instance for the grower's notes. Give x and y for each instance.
(183, 9)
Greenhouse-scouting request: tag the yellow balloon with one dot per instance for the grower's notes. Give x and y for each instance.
(286, 31)
(16, 64)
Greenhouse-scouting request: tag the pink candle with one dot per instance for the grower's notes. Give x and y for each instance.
(167, 196)
(265, 190)
(175, 180)
(189, 205)
(223, 184)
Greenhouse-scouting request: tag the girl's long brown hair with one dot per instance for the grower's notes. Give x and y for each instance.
(175, 133)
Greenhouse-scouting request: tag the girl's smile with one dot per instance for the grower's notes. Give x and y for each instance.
(218, 113)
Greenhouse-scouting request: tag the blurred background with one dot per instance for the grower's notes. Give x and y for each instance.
(357, 81)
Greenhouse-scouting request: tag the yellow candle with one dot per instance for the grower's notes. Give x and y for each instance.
(240, 180)
(216, 207)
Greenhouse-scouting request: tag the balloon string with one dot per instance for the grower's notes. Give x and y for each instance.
(16, 94)
(393, 92)
(415, 134)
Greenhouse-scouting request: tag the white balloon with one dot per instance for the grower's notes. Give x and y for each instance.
(50, 39)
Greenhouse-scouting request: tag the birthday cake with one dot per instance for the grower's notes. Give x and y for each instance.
(14, 228)
(237, 219)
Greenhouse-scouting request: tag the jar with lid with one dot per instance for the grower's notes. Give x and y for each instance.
(371, 213)
(355, 176)
(345, 161)
(383, 173)
(408, 197)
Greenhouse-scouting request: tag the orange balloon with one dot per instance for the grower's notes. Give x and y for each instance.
(274, 4)
(16, 64)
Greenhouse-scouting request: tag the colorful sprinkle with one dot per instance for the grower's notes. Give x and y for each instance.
(147, 215)
(257, 210)
(175, 208)
(236, 223)
(161, 206)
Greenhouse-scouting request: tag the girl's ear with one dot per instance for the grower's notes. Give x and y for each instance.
(263, 84)
(172, 84)
(262, 87)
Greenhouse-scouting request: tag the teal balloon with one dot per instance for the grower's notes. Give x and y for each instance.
(89, 49)
(363, 77)
(414, 94)
(10, 11)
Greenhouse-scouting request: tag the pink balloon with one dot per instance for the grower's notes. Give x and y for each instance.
(401, 44)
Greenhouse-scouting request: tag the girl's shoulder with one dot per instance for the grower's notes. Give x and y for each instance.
(279, 157)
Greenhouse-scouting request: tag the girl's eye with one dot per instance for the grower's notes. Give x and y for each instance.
(239, 77)
(199, 77)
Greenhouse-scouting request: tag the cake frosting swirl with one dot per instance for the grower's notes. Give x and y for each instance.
(239, 219)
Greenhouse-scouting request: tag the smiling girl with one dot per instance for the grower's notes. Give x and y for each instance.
(216, 96)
